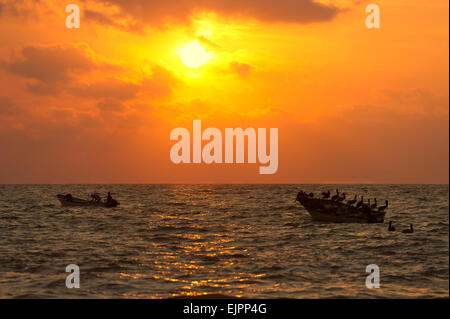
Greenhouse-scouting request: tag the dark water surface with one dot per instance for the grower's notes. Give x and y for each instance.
(253, 241)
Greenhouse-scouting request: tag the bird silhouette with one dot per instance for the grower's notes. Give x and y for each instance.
(361, 202)
(382, 208)
(341, 199)
(326, 194)
(335, 197)
(408, 231)
(351, 202)
(374, 205)
(391, 228)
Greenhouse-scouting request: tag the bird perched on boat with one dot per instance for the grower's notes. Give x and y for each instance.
(361, 202)
(341, 199)
(374, 205)
(382, 208)
(326, 194)
(351, 202)
(335, 197)
(391, 228)
(366, 207)
(408, 231)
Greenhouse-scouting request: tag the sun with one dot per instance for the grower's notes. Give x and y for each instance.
(194, 55)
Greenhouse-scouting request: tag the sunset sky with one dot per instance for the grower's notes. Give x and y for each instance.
(97, 104)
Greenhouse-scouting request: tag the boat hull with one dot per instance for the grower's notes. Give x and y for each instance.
(78, 202)
(331, 211)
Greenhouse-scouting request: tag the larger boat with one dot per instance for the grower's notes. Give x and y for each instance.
(334, 211)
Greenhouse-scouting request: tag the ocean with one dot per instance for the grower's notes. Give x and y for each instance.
(251, 241)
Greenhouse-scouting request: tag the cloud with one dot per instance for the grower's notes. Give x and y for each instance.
(418, 101)
(160, 83)
(114, 20)
(52, 63)
(51, 70)
(99, 17)
(43, 89)
(110, 104)
(242, 69)
(208, 43)
(295, 11)
(108, 95)
(111, 88)
(18, 7)
(7, 106)
(156, 13)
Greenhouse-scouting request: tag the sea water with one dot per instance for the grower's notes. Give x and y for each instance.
(251, 241)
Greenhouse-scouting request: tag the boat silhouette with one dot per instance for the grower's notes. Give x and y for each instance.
(69, 200)
(340, 212)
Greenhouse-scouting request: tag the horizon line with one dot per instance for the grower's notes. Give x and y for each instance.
(7, 184)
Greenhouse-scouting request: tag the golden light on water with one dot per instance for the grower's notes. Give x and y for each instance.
(194, 55)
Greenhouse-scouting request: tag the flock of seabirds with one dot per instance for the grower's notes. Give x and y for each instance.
(360, 204)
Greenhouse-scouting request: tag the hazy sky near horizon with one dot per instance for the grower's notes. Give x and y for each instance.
(97, 104)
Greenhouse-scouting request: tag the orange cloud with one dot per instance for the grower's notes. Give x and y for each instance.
(51, 63)
(7, 106)
(112, 88)
(242, 69)
(110, 104)
(155, 13)
(17, 7)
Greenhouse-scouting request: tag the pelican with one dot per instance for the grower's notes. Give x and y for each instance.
(391, 228)
(351, 202)
(408, 231)
(341, 199)
(382, 208)
(326, 194)
(374, 205)
(335, 197)
(361, 202)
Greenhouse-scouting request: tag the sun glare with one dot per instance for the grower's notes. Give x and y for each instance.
(194, 55)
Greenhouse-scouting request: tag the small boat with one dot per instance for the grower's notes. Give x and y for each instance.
(69, 200)
(333, 211)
